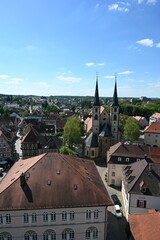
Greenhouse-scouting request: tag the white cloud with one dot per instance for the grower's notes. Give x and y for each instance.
(68, 79)
(15, 81)
(151, 1)
(97, 5)
(125, 73)
(41, 84)
(89, 64)
(158, 45)
(101, 64)
(118, 7)
(140, 1)
(4, 76)
(109, 77)
(146, 42)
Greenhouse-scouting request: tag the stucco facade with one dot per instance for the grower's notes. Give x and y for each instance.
(79, 223)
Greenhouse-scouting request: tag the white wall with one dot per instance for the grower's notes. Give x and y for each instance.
(152, 139)
(152, 202)
(17, 228)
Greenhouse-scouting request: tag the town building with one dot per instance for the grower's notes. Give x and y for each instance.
(140, 187)
(121, 155)
(152, 135)
(142, 121)
(102, 127)
(154, 118)
(53, 196)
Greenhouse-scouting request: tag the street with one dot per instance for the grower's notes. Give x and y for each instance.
(116, 227)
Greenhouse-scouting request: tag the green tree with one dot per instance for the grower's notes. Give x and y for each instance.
(131, 129)
(73, 130)
(67, 151)
(122, 122)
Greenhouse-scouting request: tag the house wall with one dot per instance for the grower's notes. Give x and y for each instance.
(152, 202)
(152, 139)
(115, 169)
(17, 228)
(125, 197)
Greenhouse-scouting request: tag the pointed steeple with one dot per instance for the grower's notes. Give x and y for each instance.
(96, 98)
(115, 97)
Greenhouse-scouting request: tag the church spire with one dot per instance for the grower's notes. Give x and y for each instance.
(96, 98)
(115, 98)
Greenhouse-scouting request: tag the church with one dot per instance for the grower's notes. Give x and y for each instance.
(102, 128)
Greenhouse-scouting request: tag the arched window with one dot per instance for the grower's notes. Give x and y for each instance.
(49, 235)
(68, 234)
(5, 236)
(115, 117)
(30, 235)
(96, 117)
(92, 233)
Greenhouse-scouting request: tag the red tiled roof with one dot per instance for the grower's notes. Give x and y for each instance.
(155, 154)
(36, 193)
(153, 128)
(145, 226)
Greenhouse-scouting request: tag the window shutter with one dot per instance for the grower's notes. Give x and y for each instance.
(144, 204)
(137, 203)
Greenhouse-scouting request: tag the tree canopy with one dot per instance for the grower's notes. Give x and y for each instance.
(67, 151)
(73, 130)
(131, 129)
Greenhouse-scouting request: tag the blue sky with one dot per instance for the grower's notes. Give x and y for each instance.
(50, 47)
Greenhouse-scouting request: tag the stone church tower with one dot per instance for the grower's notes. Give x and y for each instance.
(103, 131)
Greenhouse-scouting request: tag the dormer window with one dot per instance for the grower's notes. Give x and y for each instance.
(119, 159)
(127, 159)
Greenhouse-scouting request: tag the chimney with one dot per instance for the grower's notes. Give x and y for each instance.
(22, 180)
(145, 156)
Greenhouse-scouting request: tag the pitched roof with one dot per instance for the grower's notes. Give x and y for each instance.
(106, 131)
(141, 171)
(115, 97)
(96, 98)
(129, 151)
(54, 176)
(91, 141)
(145, 226)
(155, 154)
(154, 127)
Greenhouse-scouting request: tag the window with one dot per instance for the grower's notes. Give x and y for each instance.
(92, 152)
(113, 174)
(49, 235)
(127, 159)
(25, 217)
(88, 214)
(68, 234)
(64, 216)
(88, 234)
(141, 203)
(115, 117)
(113, 181)
(96, 117)
(53, 216)
(96, 214)
(5, 236)
(1, 219)
(119, 159)
(91, 233)
(45, 217)
(8, 218)
(30, 235)
(95, 233)
(113, 166)
(34, 217)
(72, 215)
